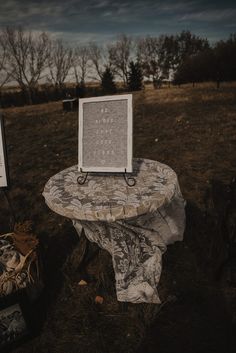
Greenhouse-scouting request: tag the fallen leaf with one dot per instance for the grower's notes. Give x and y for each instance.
(99, 299)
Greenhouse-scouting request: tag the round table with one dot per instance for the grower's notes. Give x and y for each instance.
(133, 223)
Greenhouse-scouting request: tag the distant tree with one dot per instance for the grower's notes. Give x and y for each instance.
(120, 55)
(107, 82)
(168, 55)
(5, 76)
(99, 58)
(135, 76)
(187, 72)
(60, 62)
(80, 62)
(189, 44)
(224, 60)
(160, 56)
(215, 64)
(196, 68)
(80, 89)
(26, 57)
(148, 56)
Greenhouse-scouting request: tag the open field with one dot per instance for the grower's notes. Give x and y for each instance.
(193, 130)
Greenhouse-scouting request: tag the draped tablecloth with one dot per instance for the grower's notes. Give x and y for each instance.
(134, 224)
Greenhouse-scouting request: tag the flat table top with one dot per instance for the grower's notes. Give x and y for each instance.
(109, 198)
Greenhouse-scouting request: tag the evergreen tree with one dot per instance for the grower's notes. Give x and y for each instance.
(108, 83)
(135, 76)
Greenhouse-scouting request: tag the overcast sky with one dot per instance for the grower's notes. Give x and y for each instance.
(80, 21)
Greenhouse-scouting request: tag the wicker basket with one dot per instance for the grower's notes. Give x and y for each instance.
(19, 265)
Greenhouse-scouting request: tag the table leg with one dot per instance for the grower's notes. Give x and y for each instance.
(81, 256)
(123, 307)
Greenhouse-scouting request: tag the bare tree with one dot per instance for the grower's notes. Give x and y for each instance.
(26, 57)
(60, 62)
(120, 55)
(81, 59)
(97, 56)
(4, 75)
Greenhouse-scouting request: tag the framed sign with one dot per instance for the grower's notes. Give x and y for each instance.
(13, 325)
(105, 134)
(16, 320)
(3, 159)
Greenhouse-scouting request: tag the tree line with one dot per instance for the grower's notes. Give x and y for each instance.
(217, 63)
(35, 59)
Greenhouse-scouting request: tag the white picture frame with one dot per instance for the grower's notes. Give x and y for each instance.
(3, 157)
(120, 124)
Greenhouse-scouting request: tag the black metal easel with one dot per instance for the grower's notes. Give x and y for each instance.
(130, 181)
(82, 178)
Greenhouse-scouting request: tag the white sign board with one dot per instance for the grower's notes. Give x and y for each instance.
(105, 134)
(3, 168)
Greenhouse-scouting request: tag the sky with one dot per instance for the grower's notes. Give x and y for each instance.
(82, 21)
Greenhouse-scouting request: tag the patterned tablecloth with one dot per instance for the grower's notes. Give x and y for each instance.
(134, 224)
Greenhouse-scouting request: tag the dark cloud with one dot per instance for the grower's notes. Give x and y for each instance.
(80, 20)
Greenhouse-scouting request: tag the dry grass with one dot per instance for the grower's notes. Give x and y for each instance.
(195, 128)
(191, 129)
